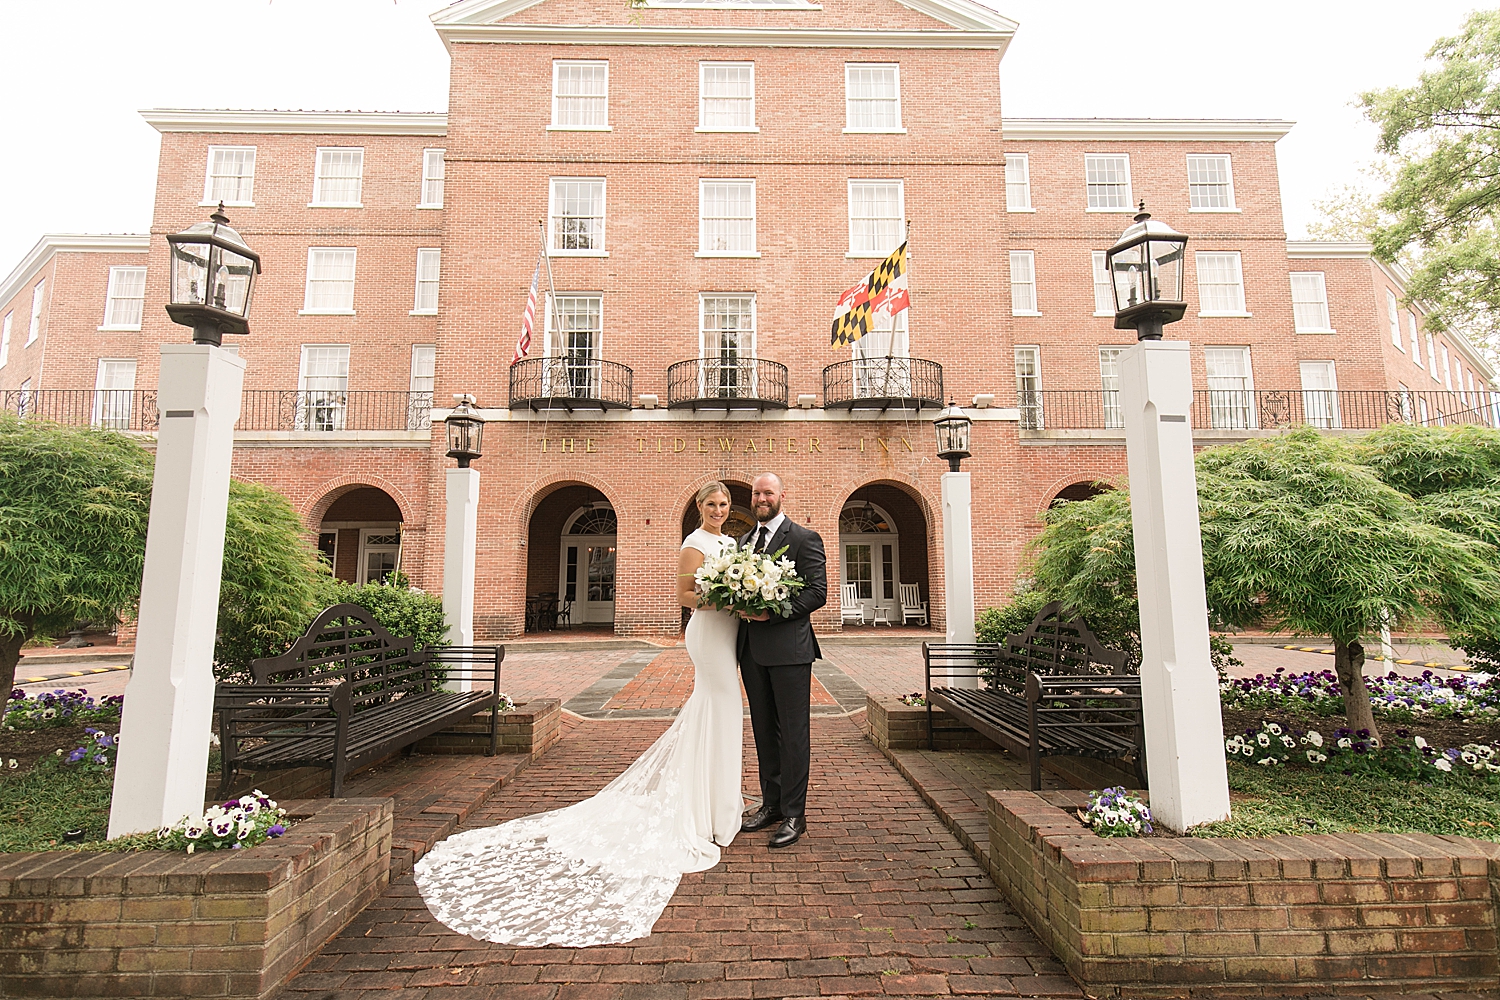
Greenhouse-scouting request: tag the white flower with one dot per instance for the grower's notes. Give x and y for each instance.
(1288, 742)
(1469, 758)
(193, 830)
(1273, 729)
(735, 572)
(250, 803)
(12, 763)
(781, 593)
(1345, 743)
(1442, 764)
(221, 825)
(1263, 739)
(1266, 760)
(768, 591)
(1313, 757)
(1421, 743)
(1314, 737)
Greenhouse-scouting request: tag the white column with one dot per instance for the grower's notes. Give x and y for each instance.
(459, 546)
(1184, 728)
(958, 562)
(169, 700)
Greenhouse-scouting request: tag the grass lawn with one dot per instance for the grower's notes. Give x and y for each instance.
(1286, 800)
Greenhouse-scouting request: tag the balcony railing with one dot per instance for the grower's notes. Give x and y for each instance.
(1266, 409)
(570, 382)
(334, 410)
(733, 384)
(115, 409)
(881, 383)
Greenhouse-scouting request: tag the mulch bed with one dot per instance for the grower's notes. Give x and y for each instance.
(28, 747)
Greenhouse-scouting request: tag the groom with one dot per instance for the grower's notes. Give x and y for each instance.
(776, 655)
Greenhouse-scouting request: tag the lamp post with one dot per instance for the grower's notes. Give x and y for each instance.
(953, 428)
(1179, 689)
(465, 432)
(168, 711)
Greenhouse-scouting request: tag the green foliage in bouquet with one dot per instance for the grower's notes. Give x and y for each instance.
(740, 579)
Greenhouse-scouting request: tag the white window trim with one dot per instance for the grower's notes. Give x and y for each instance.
(208, 180)
(1432, 368)
(754, 319)
(900, 129)
(1228, 170)
(849, 204)
(417, 282)
(1393, 317)
(552, 126)
(725, 62)
(1228, 314)
(603, 214)
(548, 311)
(1005, 167)
(412, 381)
(1326, 308)
(1035, 296)
(1097, 312)
(5, 324)
(754, 222)
(422, 179)
(105, 326)
(1130, 205)
(34, 318)
(318, 155)
(307, 283)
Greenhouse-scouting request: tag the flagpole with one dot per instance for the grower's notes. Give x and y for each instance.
(541, 227)
(890, 344)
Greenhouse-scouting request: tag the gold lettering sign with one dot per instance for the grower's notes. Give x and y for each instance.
(726, 445)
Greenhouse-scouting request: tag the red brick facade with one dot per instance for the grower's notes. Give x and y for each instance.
(541, 465)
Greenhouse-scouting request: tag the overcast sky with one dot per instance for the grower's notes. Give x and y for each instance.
(80, 159)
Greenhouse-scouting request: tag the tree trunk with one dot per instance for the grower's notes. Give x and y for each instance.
(10, 655)
(1349, 665)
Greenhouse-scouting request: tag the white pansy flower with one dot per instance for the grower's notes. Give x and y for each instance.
(1315, 738)
(1345, 743)
(1273, 729)
(1442, 764)
(1264, 739)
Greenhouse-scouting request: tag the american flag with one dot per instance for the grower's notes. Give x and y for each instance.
(528, 318)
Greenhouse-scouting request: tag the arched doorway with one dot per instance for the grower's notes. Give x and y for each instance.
(1079, 491)
(360, 535)
(740, 519)
(586, 564)
(882, 545)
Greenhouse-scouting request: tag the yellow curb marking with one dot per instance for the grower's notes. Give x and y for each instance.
(71, 673)
(1377, 656)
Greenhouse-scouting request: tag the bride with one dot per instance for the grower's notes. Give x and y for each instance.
(601, 871)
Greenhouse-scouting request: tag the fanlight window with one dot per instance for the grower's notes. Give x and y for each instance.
(861, 519)
(597, 521)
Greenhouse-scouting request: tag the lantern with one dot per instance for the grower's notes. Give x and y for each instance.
(213, 274)
(1145, 270)
(465, 431)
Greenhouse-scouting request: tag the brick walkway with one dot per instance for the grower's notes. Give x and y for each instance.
(557, 673)
(667, 680)
(888, 669)
(877, 899)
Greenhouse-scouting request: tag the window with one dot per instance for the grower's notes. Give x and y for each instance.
(1447, 370)
(380, 553)
(1403, 400)
(1108, 181)
(1104, 290)
(1109, 383)
(423, 370)
(428, 263)
(1393, 316)
(231, 175)
(323, 387)
(1023, 283)
(882, 365)
(433, 170)
(1221, 292)
(726, 218)
(125, 298)
(1310, 303)
(872, 97)
(1432, 359)
(1018, 183)
(5, 339)
(1416, 345)
(38, 294)
(726, 345)
(25, 403)
(577, 212)
(877, 217)
(330, 280)
(726, 97)
(339, 178)
(580, 94)
(1209, 186)
(114, 389)
(575, 333)
(1231, 388)
(1029, 387)
(1320, 398)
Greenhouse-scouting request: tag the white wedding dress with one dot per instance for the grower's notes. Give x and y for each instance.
(601, 871)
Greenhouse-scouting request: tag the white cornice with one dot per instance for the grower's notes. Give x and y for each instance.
(53, 243)
(965, 15)
(1147, 129)
(298, 122)
(1325, 250)
(832, 38)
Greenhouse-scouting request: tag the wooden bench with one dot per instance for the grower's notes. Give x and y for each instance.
(1053, 690)
(349, 693)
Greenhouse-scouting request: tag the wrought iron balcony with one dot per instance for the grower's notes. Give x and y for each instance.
(114, 409)
(334, 410)
(719, 384)
(570, 382)
(883, 383)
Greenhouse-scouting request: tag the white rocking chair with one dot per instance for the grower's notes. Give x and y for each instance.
(912, 605)
(850, 609)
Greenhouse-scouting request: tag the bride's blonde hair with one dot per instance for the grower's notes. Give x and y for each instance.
(706, 491)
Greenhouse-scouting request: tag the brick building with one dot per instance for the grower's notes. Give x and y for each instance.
(706, 179)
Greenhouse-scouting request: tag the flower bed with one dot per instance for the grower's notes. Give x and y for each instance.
(1392, 696)
(59, 708)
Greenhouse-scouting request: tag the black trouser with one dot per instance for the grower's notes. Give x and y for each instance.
(779, 718)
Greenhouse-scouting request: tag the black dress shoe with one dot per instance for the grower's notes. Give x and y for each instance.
(760, 819)
(789, 831)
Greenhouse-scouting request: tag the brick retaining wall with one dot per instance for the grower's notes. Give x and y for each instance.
(531, 727)
(1261, 916)
(894, 726)
(232, 924)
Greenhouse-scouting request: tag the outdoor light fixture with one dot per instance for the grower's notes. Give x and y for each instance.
(465, 431)
(213, 274)
(1145, 269)
(953, 426)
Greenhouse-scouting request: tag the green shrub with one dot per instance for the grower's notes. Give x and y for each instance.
(397, 606)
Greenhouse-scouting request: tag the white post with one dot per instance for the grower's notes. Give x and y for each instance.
(169, 699)
(1184, 727)
(459, 547)
(958, 563)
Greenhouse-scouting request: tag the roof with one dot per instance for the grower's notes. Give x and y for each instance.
(1147, 129)
(298, 122)
(68, 243)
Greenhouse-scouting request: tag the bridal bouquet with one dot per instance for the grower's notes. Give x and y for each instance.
(743, 580)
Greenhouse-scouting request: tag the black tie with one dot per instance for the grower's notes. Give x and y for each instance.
(760, 543)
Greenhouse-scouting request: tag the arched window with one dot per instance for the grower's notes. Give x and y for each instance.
(863, 519)
(599, 520)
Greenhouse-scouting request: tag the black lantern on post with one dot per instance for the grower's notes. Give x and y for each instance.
(1145, 270)
(213, 274)
(465, 431)
(953, 427)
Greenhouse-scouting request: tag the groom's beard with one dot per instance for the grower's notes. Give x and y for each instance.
(763, 518)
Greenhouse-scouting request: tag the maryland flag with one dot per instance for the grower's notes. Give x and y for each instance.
(883, 290)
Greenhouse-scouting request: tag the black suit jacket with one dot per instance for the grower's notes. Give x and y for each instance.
(787, 640)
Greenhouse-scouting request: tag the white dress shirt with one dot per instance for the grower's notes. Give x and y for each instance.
(772, 526)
